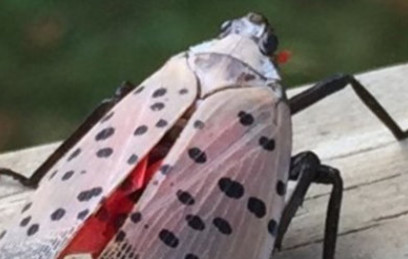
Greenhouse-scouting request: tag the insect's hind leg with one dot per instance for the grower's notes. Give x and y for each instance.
(96, 115)
(336, 83)
(307, 169)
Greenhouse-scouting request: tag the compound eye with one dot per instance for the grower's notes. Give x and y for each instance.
(269, 44)
(257, 18)
(225, 26)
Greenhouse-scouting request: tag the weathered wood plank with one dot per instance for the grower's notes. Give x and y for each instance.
(25, 162)
(374, 166)
(346, 135)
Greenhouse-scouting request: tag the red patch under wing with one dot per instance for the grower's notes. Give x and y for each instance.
(101, 227)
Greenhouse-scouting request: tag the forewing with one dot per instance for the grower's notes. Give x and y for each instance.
(221, 189)
(99, 162)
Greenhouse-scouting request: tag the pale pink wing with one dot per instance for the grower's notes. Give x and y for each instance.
(73, 189)
(222, 194)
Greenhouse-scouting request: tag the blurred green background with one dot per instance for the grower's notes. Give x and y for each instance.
(58, 59)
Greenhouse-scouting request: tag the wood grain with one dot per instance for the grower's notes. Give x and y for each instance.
(344, 133)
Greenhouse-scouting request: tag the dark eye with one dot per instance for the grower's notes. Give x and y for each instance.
(270, 44)
(224, 26)
(257, 18)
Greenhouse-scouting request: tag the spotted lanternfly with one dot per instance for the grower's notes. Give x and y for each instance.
(191, 164)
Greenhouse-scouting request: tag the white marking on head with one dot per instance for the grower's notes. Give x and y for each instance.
(249, 39)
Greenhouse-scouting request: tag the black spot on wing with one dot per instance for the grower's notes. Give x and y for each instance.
(197, 155)
(136, 217)
(157, 106)
(245, 119)
(273, 227)
(120, 236)
(104, 152)
(74, 154)
(89, 194)
(124, 246)
(257, 207)
(281, 188)
(139, 89)
(24, 222)
(107, 117)
(140, 130)
(165, 169)
(96, 191)
(58, 214)
(161, 123)
(198, 124)
(132, 159)
(222, 225)
(231, 188)
(105, 134)
(168, 238)
(159, 92)
(67, 175)
(82, 214)
(266, 143)
(52, 175)
(33, 229)
(26, 207)
(195, 222)
(191, 256)
(183, 91)
(185, 197)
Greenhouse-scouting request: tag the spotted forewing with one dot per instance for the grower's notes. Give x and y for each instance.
(220, 190)
(224, 193)
(99, 163)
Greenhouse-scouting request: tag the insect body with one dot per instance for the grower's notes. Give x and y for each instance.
(204, 143)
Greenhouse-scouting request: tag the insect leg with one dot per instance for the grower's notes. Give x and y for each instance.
(89, 122)
(306, 169)
(336, 83)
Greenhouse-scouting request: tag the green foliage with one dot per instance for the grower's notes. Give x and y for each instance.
(58, 59)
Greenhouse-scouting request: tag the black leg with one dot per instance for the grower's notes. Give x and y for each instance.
(306, 169)
(339, 82)
(89, 122)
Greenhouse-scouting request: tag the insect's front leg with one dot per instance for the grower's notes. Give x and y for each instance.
(96, 115)
(336, 83)
(25, 181)
(307, 169)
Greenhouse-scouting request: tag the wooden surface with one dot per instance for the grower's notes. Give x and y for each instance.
(374, 220)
